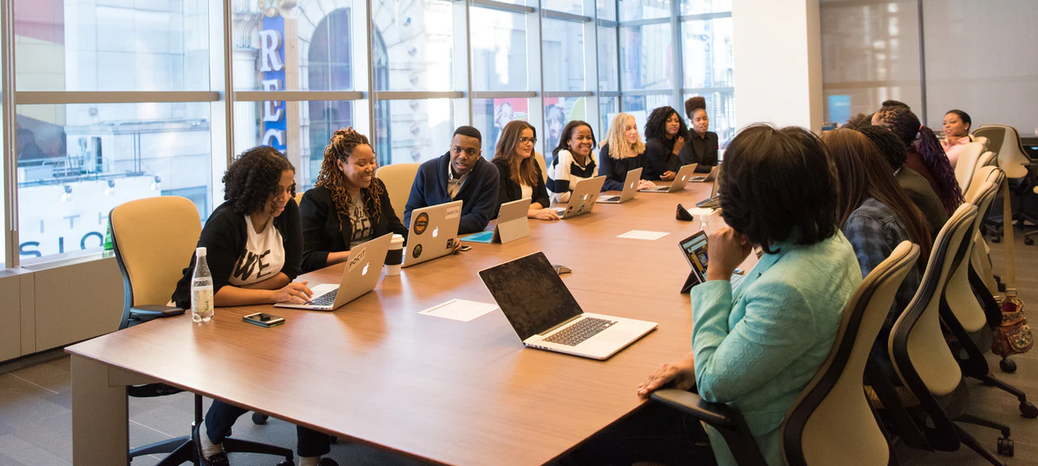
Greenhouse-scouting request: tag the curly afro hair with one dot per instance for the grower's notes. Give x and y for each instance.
(656, 126)
(888, 143)
(693, 104)
(860, 120)
(253, 178)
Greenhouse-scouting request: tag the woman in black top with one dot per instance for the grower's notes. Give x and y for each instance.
(622, 152)
(702, 146)
(520, 175)
(253, 247)
(348, 204)
(665, 135)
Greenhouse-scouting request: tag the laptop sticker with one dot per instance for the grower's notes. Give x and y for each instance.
(357, 258)
(453, 212)
(417, 251)
(421, 223)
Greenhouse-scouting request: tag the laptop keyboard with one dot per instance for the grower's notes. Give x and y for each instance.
(582, 330)
(326, 299)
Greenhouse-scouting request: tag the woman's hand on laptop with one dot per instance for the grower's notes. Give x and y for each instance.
(680, 374)
(543, 214)
(295, 292)
(726, 249)
(646, 184)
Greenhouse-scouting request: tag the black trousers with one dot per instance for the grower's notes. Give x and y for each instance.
(654, 433)
(221, 417)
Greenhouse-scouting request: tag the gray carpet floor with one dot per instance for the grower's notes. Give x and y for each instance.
(36, 402)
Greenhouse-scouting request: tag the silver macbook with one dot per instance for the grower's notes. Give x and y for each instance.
(512, 222)
(432, 233)
(360, 276)
(583, 198)
(551, 319)
(630, 188)
(680, 180)
(704, 178)
(712, 202)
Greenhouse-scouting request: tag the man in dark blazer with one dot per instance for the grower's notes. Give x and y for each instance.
(460, 174)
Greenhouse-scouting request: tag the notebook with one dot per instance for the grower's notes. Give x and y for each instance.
(680, 180)
(694, 249)
(544, 314)
(433, 232)
(630, 188)
(583, 198)
(360, 276)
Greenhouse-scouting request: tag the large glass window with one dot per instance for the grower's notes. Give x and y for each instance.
(608, 107)
(77, 162)
(414, 40)
(557, 112)
(72, 45)
(645, 57)
(608, 67)
(566, 6)
(414, 130)
(490, 116)
(707, 49)
(633, 10)
(562, 55)
(696, 7)
(499, 56)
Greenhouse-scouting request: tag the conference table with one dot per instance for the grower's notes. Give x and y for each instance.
(443, 391)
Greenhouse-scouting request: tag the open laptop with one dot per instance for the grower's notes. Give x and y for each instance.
(630, 188)
(709, 176)
(433, 232)
(712, 202)
(551, 319)
(680, 180)
(694, 248)
(358, 277)
(512, 222)
(583, 198)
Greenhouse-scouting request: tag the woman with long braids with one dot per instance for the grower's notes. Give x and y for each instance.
(925, 154)
(348, 204)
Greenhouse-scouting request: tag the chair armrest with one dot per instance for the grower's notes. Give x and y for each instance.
(715, 414)
(152, 312)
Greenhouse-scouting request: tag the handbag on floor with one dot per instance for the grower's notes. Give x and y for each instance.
(1013, 335)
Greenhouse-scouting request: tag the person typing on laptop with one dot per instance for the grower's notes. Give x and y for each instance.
(348, 204)
(573, 160)
(254, 247)
(460, 174)
(756, 347)
(521, 177)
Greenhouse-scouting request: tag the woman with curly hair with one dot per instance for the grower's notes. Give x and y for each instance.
(348, 204)
(925, 154)
(520, 175)
(665, 135)
(623, 151)
(253, 247)
(702, 147)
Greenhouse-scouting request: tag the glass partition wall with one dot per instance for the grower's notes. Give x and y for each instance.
(106, 102)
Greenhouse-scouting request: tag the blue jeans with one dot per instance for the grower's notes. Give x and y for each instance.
(221, 417)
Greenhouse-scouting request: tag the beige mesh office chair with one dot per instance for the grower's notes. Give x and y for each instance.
(398, 178)
(833, 404)
(923, 361)
(1004, 141)
(969, 157)
(154, 240)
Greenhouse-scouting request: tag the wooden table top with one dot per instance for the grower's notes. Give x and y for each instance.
(452, 392)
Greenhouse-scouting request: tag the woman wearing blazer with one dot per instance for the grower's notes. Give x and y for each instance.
(520, 175)
(348, 204)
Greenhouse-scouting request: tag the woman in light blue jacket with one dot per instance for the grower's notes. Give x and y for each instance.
(757, 346)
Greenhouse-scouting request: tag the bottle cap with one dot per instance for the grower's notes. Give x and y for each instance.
(200, 252)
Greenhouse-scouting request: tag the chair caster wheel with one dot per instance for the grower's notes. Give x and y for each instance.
(1028, 410)
(996, 239)
(333, 439)
(1029, 241)
(1005, 447)
(259, 419)
(292, 463)
(1007, 365)
(327, 462)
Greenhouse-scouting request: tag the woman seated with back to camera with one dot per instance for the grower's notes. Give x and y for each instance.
(253, 248)
(348, 204)
(957, 125)
(622, 152)
(520, 175)
(875, 216)
(665, 135)
(757, 346)
(573, 160)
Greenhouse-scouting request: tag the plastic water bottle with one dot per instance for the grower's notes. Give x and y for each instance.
(202, 309)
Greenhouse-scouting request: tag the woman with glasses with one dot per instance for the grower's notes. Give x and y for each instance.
(348, 204)
(521, 177)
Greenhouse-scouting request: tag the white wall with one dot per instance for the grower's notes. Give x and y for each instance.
(778, 71)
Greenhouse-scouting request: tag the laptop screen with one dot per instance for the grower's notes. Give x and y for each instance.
(695, 252)
(717, 182)
(530, 294)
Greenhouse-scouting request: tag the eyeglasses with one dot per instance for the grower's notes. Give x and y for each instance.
(528, 140)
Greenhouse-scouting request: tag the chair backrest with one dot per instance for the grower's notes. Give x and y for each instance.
(833, 405)
(540, 163)
(981, 139)
(398, 178)
(969, 155)
(154, 240)
(987, 159)
(981, 175)
(1011, 156)
(299, 198)
(959, 294)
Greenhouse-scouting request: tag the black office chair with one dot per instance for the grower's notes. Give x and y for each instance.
(154, 240)
(833, 404)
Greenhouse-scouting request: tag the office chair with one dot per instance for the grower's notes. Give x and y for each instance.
(925, 364)
(154, 240)
(398, 178)
(833, 404)
(969, 157)
(1004, 141)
